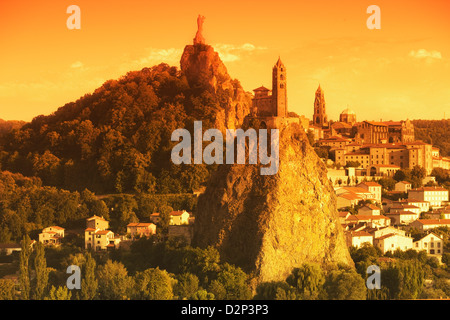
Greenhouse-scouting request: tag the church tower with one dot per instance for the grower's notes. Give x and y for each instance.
(279, 94)
(320, 115)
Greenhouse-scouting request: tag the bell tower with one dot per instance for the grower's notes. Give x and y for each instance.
(320, 115)
(279, 93)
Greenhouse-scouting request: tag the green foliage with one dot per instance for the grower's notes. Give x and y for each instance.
(59, 293)
(187, 286)
(435, 132)
(24, 268)
(7, 291)
(415, 176)
(153, 284)
(355, 164)
(117, 139)
(89, 284)
(308, 280)
(344, 284)
(113, 281)
(322, 152)
(231, 284)
(404, 279)
(202, 294)
(41, 272)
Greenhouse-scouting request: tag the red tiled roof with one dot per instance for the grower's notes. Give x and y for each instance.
(262, 88)
(103, 232)
(139, 224)
(177, 213)
(356, 189)
(406, 212)
(433, 221)
(429, 189)
(371, 184)
(371, 206)
(95, 217)
(350, 196)
(360, 234)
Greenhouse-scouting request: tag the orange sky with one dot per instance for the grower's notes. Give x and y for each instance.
(401, 71)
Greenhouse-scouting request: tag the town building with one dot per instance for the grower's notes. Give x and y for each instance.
(403, 186)
(436, 196)
(371, 132)
(141, 229)
(427, 224)
(368, 220)
(403, 217)
(392, 242)
(348, 116)
(369, 209)
(373, 188)
(385, 158)
(51, 235)
(357, 238)
(349, 199)
(400, 131)
(9, 248)
(96, 222)
(431, 243)
(99, 240)
(179, 217)
(97, 237)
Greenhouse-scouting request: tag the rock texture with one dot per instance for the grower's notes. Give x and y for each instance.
(204, 69)
(269, 225)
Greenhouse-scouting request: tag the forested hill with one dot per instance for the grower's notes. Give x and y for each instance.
(436, 132)
(8, 125)
(117, 139)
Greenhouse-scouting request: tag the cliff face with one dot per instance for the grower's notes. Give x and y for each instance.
(269, 225)
(203, 68)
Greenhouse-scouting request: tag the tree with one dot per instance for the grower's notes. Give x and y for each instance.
(7, 291)
(164, 219)
(275, 290)
(344, 284)
(113, 281)
(59, 293)
(89, 284)
(202, 295)
(186, 286)
(310, 135)
(404, 279)
(24, 268)
(231, 284)
(40, 267)
(308, 279)
(153, 284)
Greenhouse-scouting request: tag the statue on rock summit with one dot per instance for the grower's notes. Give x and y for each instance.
(199, 39)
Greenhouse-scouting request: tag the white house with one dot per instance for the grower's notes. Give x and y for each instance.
(431, 243)
(426, 224)
(51, 235)
(402, 217)
(436, 196)
(403, 186)
(357, 238)
(373, 188)
(369, 209)
(392, 242)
